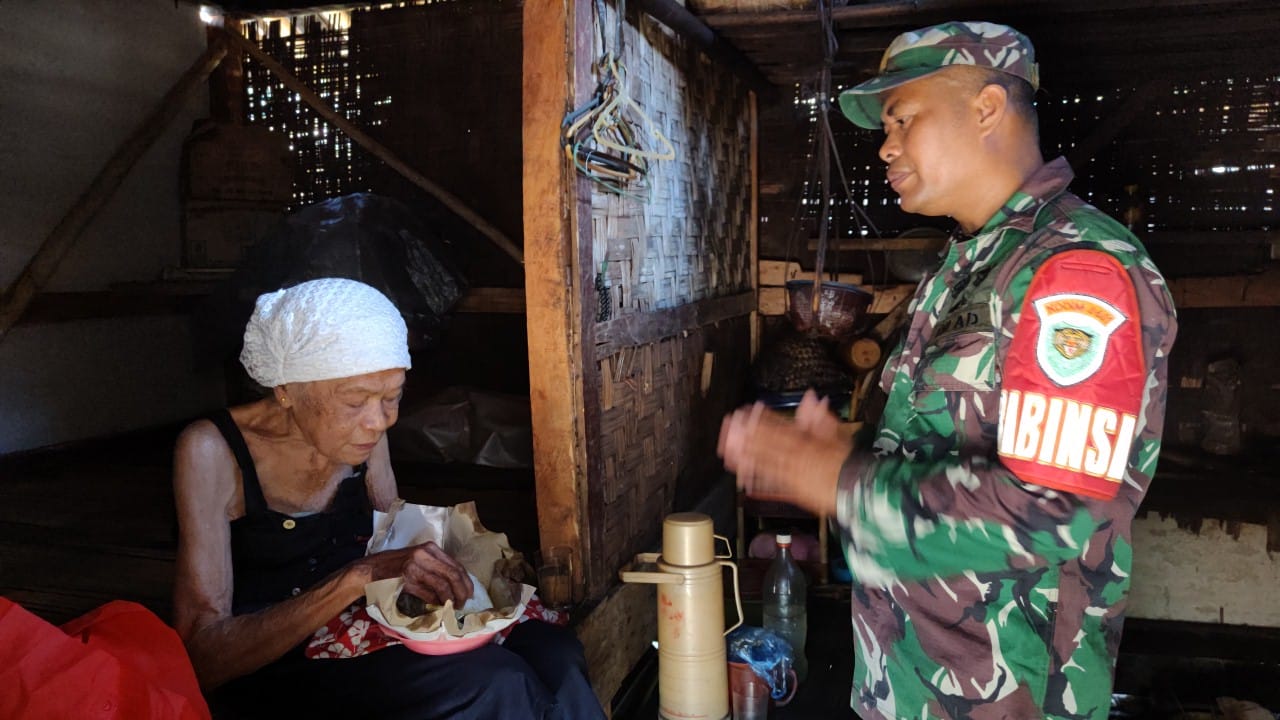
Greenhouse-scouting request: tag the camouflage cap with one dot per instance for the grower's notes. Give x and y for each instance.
(913, 55)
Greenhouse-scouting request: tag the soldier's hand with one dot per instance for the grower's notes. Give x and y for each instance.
(775, 458)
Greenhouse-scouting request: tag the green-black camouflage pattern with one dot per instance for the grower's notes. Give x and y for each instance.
(976, 595)
(917, 53)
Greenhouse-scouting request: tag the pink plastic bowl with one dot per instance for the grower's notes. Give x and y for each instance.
(448, 647)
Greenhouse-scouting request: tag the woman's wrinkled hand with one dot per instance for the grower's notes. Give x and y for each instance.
(428, 571)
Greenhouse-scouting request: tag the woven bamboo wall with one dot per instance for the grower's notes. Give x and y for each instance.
(1201, 155)
(438, 84)
(329, 163)
(683, 240)
(684, 237)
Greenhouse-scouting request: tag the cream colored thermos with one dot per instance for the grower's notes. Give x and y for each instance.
(693, 680)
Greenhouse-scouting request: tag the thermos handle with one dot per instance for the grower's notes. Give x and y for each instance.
(737, 597)
(651, 577)
(727, 545)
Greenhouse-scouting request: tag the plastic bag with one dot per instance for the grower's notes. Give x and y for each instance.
(371, 238)
(464, 425)
(768, 653)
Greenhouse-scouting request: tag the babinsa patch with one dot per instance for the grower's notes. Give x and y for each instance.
(1073, 335)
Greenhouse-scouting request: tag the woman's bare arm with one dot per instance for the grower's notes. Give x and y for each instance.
(221, 646)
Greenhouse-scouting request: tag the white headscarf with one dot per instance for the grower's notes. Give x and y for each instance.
(323, 329)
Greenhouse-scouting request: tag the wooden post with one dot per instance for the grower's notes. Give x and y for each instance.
(552, 298)
(43, 264)
(363, 139)
(226, 86)
(753, 225)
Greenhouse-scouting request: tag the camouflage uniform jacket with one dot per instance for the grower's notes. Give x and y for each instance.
(989, 532)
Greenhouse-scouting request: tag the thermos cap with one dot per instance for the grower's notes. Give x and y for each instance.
(688, 539)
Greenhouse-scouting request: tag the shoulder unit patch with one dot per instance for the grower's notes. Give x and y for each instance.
(1074, 330)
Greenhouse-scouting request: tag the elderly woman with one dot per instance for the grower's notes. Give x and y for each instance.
(275, 503)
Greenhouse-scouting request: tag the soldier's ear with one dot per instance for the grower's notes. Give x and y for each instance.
(990, 104)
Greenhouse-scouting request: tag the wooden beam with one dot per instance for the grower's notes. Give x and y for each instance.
(364, 140)
(178, 298)
(59, 307)
(882, 244)
(1261, 290)
(920, 12)
(508, 301)
(552, 296)
(753, 220)
(773, 301)
(42, 265)
(674, 15)
(644, 328)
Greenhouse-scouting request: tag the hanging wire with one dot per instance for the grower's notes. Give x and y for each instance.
(797, 219)
(603, 137)
(831, 44)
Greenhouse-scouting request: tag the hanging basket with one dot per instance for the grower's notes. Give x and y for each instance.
(842, 309)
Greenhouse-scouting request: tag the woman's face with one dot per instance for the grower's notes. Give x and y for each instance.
(345, 418)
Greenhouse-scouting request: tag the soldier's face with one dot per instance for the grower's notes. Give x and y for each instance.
(929, 145)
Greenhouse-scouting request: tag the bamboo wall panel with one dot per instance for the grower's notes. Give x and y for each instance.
(658, 429)
(682, 239)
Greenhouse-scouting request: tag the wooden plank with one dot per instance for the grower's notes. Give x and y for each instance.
(1261, 290)
(599, 573)
(644, 328)
(364, 140)
(555, 367)
(881, 244)
(777, 272)
(510, 301)
(101, 189)
(615, 634)
(773, 301)
(889, 297)
(153, 299)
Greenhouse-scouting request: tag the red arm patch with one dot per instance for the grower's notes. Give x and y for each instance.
(1073, 378)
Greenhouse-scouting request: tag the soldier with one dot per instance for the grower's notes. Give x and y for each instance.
(988, 528)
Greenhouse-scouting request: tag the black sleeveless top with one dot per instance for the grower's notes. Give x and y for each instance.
(275, 556)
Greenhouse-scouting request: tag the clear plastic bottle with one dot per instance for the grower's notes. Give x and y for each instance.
(785, 595)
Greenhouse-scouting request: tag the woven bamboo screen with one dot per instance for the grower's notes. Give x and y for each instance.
(317, 51)
(1199, 155)
(437, 83)
(684, 237)
(683, 240)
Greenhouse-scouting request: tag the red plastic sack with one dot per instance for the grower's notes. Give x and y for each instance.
(117, 662)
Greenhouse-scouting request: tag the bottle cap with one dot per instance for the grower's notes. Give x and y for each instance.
(784, 538)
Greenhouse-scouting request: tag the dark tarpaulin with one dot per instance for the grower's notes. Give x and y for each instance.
(371, 238)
